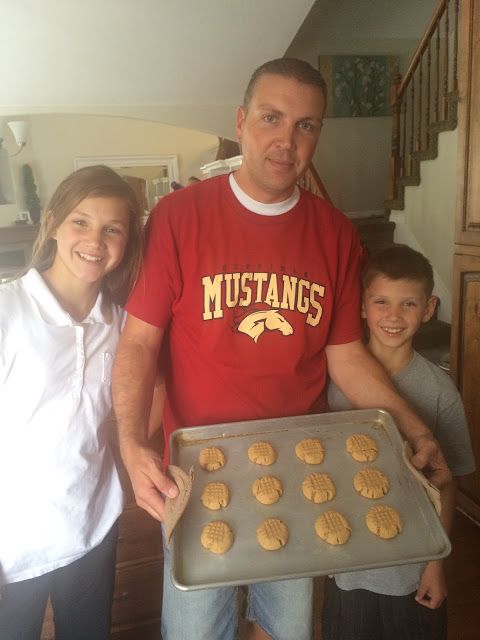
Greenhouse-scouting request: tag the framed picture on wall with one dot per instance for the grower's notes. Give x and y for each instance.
(358, 86)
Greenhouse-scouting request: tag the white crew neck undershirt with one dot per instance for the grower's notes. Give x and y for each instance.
(275, 209)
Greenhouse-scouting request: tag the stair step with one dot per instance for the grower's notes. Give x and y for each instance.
(434, 333)
(375, 233)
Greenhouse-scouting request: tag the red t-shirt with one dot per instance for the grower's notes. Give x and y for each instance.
(248, 303)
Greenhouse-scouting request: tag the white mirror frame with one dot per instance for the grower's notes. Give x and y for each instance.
(116, 162)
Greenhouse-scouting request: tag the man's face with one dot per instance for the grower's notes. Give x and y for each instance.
(279, 133)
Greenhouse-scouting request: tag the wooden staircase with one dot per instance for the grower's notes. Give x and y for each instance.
(429, 152)
(424, 102)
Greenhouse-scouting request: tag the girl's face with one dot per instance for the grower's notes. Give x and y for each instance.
(91, 240)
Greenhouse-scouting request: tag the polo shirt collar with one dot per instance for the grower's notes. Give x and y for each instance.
(52, 312)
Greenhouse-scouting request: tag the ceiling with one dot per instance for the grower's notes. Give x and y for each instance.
(141, 58)
(183, 62)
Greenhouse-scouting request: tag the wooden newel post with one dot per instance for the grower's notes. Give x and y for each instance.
(395, 160)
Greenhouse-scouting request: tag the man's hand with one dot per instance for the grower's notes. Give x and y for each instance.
(144, 466)
(433, 586)
(429, 458)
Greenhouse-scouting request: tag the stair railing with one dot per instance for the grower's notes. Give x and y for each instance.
(311, 182)
(421, 97)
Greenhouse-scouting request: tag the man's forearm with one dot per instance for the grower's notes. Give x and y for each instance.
(366, 385)
(132, 387)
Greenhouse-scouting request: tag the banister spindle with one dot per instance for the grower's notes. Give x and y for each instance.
(437, 75)
(412, 128)
(455, 50)
(429, 88)
(445, 68)
(394, 170)
(403, 133)
(418, 142)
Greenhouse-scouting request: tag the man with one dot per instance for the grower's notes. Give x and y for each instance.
(218, 252)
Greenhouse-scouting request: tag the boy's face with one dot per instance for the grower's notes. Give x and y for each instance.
(395, 309)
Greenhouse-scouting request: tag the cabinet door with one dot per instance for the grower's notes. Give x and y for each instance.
(465, 363)
(467, 226)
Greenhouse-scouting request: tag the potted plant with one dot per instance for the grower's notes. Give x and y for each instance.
(32, 200)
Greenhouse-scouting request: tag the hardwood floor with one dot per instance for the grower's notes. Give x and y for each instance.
(463, 574)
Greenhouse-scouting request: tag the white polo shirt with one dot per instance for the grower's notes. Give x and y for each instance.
(59, 490)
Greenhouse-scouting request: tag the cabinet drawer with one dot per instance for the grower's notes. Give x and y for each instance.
(138, 593)
(139, 536)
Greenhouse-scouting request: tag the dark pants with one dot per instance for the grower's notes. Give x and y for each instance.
(81, 594)
(363, 615)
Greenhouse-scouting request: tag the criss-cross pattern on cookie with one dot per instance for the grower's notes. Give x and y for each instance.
(310, 450)
(262, 453)
(384, 521)
(268, 489)
(215, 495)
(333, 527)
(371, 483)
(362, 447)
(318, 487)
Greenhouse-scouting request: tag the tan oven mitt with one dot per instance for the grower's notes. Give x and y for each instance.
(174, 507)
(433, 492)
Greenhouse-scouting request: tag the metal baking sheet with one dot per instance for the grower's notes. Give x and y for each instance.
(305, 554)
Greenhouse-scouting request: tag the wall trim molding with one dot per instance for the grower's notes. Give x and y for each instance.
(116, 162)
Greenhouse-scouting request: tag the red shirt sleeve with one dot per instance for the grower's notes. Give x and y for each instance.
(159, 282)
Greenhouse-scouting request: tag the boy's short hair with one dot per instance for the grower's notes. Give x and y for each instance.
(399, 262)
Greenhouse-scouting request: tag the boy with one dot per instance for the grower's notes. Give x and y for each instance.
(403, 602)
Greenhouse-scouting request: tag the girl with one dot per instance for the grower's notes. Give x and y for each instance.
(60, 494)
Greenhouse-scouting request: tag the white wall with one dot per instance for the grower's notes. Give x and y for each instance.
(428, 220)
(56, 140)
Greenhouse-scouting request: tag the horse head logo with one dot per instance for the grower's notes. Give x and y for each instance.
(259, 318)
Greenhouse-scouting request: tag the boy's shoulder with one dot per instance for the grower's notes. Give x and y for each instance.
(428, 375)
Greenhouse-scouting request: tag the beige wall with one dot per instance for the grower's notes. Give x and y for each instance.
(428, 221)
(352, 161)
(56, 140)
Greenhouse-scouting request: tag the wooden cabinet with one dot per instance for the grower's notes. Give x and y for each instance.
(465, 346)
(16, 248)
(137, 599)
(465, 357)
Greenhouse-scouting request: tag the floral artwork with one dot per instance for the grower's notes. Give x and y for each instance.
(358, 86)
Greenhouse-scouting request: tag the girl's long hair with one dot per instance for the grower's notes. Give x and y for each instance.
(93, 182)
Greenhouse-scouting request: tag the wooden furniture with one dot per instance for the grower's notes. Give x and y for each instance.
(137, 600)
(465, 346)
(15, 248)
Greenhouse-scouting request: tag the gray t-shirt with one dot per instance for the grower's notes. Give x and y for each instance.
(435, 399)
